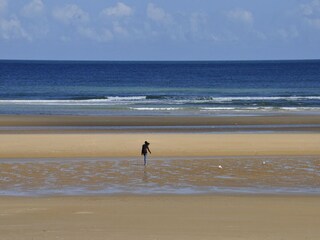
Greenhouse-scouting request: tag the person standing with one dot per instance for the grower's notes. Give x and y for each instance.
(144, 151)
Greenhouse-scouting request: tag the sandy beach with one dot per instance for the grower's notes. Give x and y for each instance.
(160, 217)
(123, 216)
(90, 142)
(162, 145)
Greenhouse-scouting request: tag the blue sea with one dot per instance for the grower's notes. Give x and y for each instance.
(160, 88)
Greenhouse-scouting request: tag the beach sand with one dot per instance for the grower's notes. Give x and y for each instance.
(157, 216)
(60, 120)
(162, 144)
(160, 217)
(166, 142)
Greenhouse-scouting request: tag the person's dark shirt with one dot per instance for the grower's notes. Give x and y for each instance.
(145, 149)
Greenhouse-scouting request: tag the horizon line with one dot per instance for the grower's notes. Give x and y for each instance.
(135, 60)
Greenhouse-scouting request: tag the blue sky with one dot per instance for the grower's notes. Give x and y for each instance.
(159, 30)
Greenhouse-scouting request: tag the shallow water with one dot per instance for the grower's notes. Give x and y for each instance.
(269, 175)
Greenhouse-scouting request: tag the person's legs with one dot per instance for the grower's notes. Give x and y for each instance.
(145, 159)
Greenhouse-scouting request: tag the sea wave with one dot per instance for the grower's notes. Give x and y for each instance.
(249, 99)
(229, 109)
(101, 100)
(272, 98)
(129, 98)
(226, 102)
(172, 98)
(155, 108)
(257, 109)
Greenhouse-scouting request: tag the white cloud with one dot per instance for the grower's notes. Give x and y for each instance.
(33, 8)
(311, 8)
(306, 10)
(104, 36)
(71, 14)
(288, 33)
(240, 15)
(118, 29)
(315, 22)
(3, 5)
(198, 22)
(311, 12)
(157, 14)
(199, 27)
(120, 10)
(12, 29)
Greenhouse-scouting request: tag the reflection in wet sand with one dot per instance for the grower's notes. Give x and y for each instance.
(145, 175)
(172, 176)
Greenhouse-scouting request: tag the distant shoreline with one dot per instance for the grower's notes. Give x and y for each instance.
(73, 120)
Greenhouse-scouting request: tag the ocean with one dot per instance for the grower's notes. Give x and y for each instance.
(206, 88)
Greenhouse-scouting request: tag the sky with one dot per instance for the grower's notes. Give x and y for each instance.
(159, 29)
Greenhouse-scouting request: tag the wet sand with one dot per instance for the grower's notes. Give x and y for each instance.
(26, 120)
(160, 217)
(188, 176)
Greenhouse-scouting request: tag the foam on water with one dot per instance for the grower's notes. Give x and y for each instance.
(131, 105)
(158, 99)
(155, 108)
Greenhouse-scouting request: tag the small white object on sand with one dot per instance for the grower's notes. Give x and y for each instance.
(220, 166)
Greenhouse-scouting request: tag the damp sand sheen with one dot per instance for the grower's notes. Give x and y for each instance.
(86, 183)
